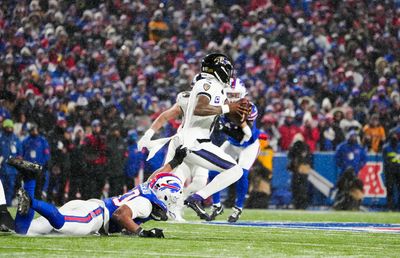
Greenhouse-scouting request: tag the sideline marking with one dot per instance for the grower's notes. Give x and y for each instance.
(339, 226)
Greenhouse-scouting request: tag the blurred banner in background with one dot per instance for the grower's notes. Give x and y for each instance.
(371, 174)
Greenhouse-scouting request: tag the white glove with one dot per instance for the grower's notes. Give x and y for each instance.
(145, 140)
(247, 134)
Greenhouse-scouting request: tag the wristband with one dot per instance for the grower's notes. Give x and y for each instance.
(174, 163)
(149, 133)
(225, 109)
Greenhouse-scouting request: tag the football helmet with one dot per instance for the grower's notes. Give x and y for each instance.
(168, 189)
(236, 90)
(218, 65)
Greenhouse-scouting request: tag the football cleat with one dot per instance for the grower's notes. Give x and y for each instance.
(216, 210)
(235, 215)
(194, 202)
(27, 168)
(24, 202)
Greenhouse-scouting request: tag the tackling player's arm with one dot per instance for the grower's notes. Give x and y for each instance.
(123, 216)
(203, 107)
(180, 154)
(171, 113)
(174, 112)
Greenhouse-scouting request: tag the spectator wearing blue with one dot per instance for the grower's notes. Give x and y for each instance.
(135, 160)
(10, 146)
(142, 97)
(35, 148)
(350, 154)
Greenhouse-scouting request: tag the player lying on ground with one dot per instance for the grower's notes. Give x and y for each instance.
(242, 144)
(124, 213)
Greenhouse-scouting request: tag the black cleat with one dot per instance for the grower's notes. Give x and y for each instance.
(27, 168)
(194, 202)
(24, 202)
(235, 215)
(216, 210)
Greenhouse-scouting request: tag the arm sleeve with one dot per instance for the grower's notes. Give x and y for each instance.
(140, 207)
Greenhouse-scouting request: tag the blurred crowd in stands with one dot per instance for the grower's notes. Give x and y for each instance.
(81, 80)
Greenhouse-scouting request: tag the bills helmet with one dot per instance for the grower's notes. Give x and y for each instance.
(218, 65)
(168, 189)
(236, 90)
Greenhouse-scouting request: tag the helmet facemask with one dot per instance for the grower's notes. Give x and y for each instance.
(235, 91)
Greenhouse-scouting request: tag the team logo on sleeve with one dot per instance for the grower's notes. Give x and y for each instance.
(206, 86)
(217, 99)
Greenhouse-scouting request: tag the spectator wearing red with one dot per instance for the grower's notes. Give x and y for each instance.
(94, 153)
(288, 130)
(310, 132)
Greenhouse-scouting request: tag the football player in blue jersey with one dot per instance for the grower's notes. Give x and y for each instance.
(242, 144)
(124, 213)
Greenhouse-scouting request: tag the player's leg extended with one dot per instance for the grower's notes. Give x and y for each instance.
(242, 185)
(47, 210)
(216, 208)
(215, 197)
(183, 172)
(247, 156)
(81, 217)
(211, 157)
(25, 212)
(199, 177)
(226, 147)
(24, 220)
(214, 158)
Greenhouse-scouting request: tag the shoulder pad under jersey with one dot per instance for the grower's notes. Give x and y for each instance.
(183, 98)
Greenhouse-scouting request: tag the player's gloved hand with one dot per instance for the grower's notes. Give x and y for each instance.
(245, 138)
(180, 154)
(247, 134)
(154, 232)
(145, 140)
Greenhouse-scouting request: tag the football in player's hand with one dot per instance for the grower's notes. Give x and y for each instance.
(242, 113)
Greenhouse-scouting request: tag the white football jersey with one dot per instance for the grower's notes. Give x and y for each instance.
(182, 100)
(200, 127)
(140, 207)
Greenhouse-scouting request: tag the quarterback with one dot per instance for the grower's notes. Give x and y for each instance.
(206, 102)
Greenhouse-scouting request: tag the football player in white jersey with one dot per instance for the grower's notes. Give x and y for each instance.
(124, 213)
(242, 144)
(207, 101)
(198, 175)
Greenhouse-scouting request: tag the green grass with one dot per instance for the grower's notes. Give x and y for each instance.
(202, 240)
